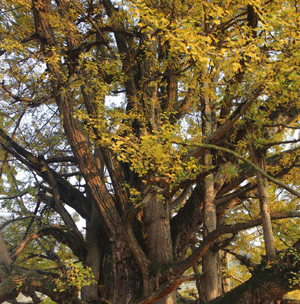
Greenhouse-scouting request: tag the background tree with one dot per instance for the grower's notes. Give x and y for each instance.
(170, 127)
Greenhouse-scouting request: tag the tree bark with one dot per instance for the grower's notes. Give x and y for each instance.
(127, 279)
(157, 220)
(226, 282)
(211, 266)
(260, 160)
(93, 256)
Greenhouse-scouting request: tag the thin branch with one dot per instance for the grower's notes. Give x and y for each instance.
(19, 219)
(14, 196)
(243, 259)
(63, 159)
(98, 30)
(276, 143)
(236, 278)
(31, 102)
(269, 177)
(36, 209)
(283, 125)
(68, 220)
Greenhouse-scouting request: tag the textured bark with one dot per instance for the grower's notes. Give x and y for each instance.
(211, 266)
(127, 284)
(186, 223)
(157, 219)
(226, 282)
(94, 254)
(265, 286)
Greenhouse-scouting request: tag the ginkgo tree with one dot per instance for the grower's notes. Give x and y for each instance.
(170, 127)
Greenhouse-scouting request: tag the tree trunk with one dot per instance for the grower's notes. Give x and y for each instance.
(159, 243)
(126, 275)
(93, 257)
(226, 283)
(211, 265)
(259, 159)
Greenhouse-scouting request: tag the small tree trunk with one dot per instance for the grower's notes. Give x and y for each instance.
(259, 159)
(226, 279)
(211, 266)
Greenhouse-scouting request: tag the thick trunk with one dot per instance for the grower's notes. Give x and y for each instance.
(159, 243)
(126, 275)
(122, 294)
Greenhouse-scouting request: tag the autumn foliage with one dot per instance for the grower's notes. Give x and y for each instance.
(171, 128)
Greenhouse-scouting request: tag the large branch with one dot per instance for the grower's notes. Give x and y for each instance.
(62, 234)
(79, 143)
(83, 154)
(132, 243)
(69, 194)
(226, 127)
(265, 174)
